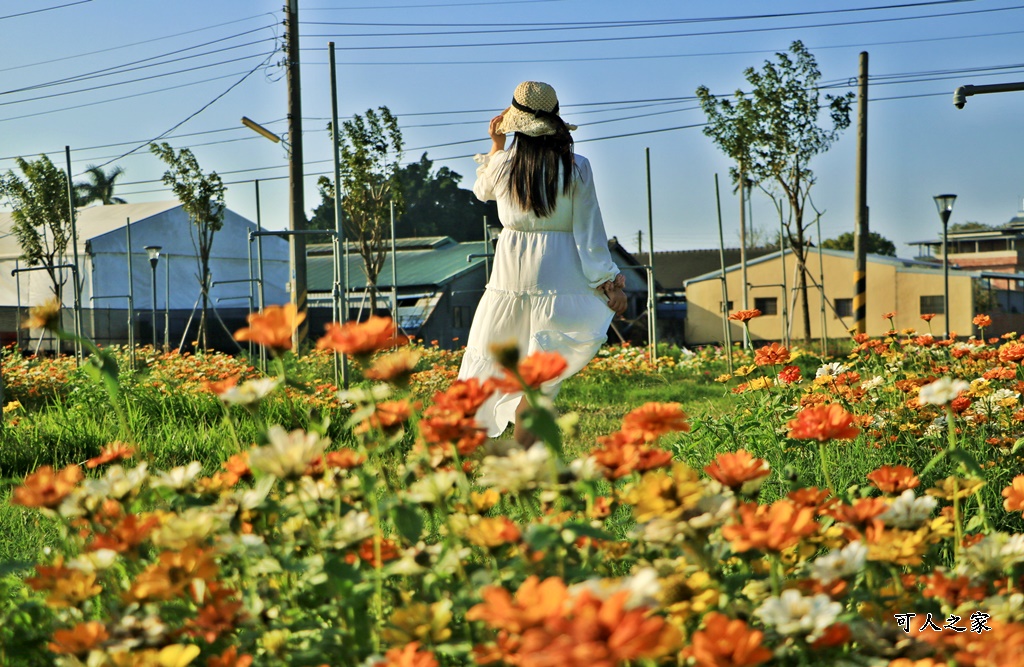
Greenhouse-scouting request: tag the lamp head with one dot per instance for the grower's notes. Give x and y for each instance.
(154, 254)
(959, 98)
(944, 203)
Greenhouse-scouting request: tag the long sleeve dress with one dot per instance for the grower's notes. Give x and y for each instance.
(542, 292)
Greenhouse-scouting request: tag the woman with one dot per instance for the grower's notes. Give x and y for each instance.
(554, 286)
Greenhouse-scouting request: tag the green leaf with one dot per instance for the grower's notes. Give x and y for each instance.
(974, 523)
(541, 538)
(934, 462)
(542, 423)
(409, 522)
(968, 461)
(579, 529)
(1017, 445)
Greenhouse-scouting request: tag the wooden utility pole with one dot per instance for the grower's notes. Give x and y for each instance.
(297, 206)
(861, 231)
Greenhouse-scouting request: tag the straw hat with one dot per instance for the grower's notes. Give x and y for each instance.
(534, 111)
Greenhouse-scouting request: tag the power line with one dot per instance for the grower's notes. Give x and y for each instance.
(193, 115)
(131, 44)
(118, 99)
(450, 4)
(506, 61)
(670, 36)
(126, 67)
(44, 9)
(597, 25)
(123, 83)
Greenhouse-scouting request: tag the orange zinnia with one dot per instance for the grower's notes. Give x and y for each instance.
(387, 416)
(774, 527)
(46, 488)
(409, 655)
(894, 479)
(1012, 351)
(130, 532)
(927, 317)
(533, 603)
(725, 642)
(273, 327)
(344, 458)
(361, 338)
(771, 355)
(1014, 495)
(625, 452)
(442, 428)
(464, 396)
(745, 315)
(115, 451)
(822, 423)
(653, 420)
(982, 321)
(172, 575)
(535, 370)
(396, 367)
(738, 471)
(229, 658)
(80, 639)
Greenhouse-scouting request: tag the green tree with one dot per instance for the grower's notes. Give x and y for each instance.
(877, 244)
(41, 215)
(202, 198)
(100, 188)
(370, 149)
(435, 205)
(775, 126)
(970, 226)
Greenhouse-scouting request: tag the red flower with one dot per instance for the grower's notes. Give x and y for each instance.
(822, 423)
(789, 375)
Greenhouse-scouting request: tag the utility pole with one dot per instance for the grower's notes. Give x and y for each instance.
(297, 206)
(745, 294)
(861, 230)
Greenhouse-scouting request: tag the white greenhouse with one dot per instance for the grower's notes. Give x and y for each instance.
(103, 260)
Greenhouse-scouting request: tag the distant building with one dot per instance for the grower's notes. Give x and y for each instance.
(997, 250)
(907, 287)
(439, 284)
(104, 260)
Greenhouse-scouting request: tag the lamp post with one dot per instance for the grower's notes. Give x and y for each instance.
(154, 256)
(945, 205)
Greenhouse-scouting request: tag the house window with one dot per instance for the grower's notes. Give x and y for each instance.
(459, 317)
(933, 304)
(844, 307)
(728, 308)
(768, 305)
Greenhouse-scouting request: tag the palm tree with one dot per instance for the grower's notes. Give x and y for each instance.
(101, 188)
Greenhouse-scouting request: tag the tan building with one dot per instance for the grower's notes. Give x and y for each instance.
(906, 287)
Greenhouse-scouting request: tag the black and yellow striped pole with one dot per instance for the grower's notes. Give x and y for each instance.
(861, 232)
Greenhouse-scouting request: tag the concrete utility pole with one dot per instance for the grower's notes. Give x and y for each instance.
(297, 206)
(861, 230)
(745, 295)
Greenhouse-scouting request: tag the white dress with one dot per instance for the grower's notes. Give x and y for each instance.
(542, 291)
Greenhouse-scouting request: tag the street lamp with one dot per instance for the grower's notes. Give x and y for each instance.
(154, 256)
(945, 205)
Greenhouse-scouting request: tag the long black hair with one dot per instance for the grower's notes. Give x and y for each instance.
(533, 169)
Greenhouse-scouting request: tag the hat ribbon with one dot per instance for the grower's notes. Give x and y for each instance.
(537, 113)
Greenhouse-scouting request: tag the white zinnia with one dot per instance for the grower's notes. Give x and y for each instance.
(433, 488)
(643, 585)
(942, 391)
(793, 614)
(249, 392)
(287, 454)
(177, 478)
(908, 511)
(841, 563)
(831, 369)
(521, 469)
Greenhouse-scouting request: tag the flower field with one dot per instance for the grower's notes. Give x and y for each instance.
(769, 508)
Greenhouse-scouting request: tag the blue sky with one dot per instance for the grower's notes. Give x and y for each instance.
(612, 79)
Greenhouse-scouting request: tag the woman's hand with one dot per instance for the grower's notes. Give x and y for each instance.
(497, 138)
(617, 300)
